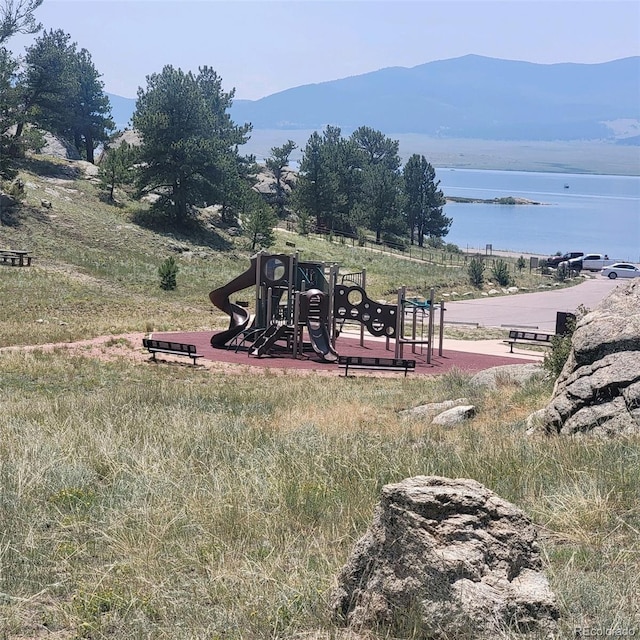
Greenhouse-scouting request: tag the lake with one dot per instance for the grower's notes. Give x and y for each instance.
(578, 212)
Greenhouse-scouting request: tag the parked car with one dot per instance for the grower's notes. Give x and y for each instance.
(621, 270)
(588, 262)
(596, 261)
(554, 261)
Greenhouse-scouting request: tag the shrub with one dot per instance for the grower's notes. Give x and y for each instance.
(168, 271)
(562, 273)
(555, 360)
(394, 242)
(476, 272)
(449, 247)
(500, 273)
(521, 263)
(304, 223)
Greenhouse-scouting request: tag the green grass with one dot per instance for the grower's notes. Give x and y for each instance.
(181, 503)
(95, 270)
(172, 503)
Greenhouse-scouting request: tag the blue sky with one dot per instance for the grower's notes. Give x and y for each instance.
(264, 46)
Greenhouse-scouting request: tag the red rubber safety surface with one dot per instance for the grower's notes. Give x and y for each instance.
(349, 346)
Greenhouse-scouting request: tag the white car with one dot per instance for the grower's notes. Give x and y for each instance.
(621, 270)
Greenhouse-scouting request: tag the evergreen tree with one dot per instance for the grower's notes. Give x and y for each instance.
(168, 272)
(277, 162)
(116, 167)
(347, 183)
(16, 16)
(91, 121)
(189, 142)
(329, 180)
(380, 200)
(46, 83)
(259, 223)
(376, 148)
(60, 91)
(475, 271)
(424, 201)
(8, 105)
(317, 184)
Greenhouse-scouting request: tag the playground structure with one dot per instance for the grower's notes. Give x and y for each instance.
(296, 298)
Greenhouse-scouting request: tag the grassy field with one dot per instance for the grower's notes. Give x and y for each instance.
(171, 502)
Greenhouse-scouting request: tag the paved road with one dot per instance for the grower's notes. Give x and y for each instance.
(531, 310)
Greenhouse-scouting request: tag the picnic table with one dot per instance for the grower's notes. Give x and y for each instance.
(18, 258)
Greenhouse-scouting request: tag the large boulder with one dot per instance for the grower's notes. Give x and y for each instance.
(518, 374)
(451, 557)
(58, 147)
(598, 390)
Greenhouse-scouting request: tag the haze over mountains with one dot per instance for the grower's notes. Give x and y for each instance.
(468, 97)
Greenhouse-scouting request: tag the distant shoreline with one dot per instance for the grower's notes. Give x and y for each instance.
(571, 157)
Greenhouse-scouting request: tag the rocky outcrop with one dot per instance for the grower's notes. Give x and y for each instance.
(59, 147)
(447, 413)
(455, 415)
(266, 182)
(432, 408)
(598, 390)
(451, 557)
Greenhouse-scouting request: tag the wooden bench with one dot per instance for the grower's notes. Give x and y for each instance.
(19, 258)
(365, 362)
(172, 348)
(529, 337)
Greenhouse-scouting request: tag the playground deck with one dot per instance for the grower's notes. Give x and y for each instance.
(345, 345)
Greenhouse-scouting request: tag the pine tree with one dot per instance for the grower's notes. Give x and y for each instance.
(189, 142)
(380, 197)
(16, 17)
(260, 223)
(277, 163)
(424, 201)
(60, 91)
(116, 167)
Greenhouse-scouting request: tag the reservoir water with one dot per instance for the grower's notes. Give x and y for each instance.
(577, 212)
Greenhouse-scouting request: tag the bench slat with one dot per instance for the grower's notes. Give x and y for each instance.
(173, 348)
(368, 362)
(529, 337)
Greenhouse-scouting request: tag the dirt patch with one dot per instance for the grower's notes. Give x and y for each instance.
(129, 347)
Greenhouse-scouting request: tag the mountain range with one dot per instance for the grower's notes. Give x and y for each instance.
(467, 97)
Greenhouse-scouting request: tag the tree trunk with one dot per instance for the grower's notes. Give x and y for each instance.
(88, 145)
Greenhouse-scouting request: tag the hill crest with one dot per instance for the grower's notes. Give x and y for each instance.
(472, 96)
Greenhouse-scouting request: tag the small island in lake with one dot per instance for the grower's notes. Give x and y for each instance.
(506, 200)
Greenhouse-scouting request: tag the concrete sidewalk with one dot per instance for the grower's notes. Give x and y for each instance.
(529, 310)
(491, 348)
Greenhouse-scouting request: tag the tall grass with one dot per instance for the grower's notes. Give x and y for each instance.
(142, 502)
(176, 503)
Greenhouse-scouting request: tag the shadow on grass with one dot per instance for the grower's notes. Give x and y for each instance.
(16, 215)
(189, 230)
(51, 169)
